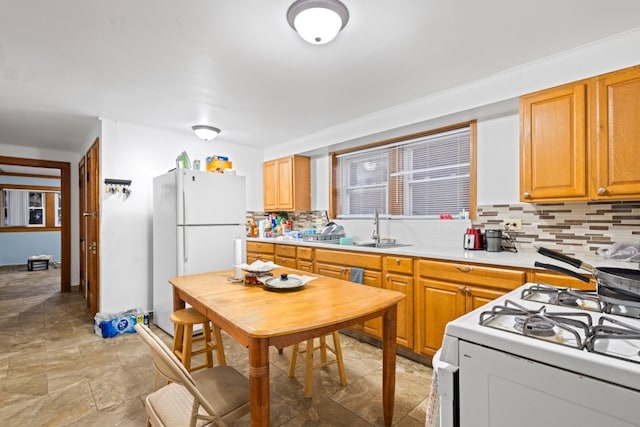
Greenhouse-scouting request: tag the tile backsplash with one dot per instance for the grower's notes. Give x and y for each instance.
(574, 228)
(301, 220)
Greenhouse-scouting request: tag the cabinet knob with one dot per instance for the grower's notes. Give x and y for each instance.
(463, 269)
(602, 191)
(398, 261)
(527, 195)
(388, 277)
(461, 289)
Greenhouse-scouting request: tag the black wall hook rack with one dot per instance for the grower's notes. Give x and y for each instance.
(110, 181)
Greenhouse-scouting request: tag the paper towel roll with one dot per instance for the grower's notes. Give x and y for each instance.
(237, 258)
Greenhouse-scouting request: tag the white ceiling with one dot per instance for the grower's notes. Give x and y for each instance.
(239, 66)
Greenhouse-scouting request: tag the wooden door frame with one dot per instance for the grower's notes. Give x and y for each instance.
(65, 229)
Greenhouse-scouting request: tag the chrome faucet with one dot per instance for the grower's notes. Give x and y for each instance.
(376, 224)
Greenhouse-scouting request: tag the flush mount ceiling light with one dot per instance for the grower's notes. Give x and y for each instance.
(318, 21)
(205, 132)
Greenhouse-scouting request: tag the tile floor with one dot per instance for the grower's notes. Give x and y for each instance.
(54, 371)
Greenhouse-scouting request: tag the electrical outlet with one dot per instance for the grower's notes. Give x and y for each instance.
(511, 224)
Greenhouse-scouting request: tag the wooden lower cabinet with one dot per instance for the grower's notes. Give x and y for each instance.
(447, 290)
(304, 259)
(437, 292)
(260, 251)
(285, 256)
(338, 264)
(398, 276)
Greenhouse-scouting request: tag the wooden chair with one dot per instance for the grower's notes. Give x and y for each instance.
(209, 396)
(309, 364)
(184, 320)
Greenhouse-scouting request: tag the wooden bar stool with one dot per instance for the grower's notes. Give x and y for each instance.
(183, 341)
(309, 366)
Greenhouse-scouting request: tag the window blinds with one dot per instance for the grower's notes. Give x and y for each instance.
(421, 177)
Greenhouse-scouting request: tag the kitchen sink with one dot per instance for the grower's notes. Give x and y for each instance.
(380, 245)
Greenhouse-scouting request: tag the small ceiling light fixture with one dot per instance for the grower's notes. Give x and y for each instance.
(318, 21)
(205, 132)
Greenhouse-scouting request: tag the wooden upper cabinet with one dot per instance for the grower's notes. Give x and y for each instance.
(287, 184)
(579, 141)
(270, 186)
(553, 144)
(617, 140)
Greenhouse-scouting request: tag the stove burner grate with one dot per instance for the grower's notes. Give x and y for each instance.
(566, 297)
(540, 324)
(534, 325)
(609, 329)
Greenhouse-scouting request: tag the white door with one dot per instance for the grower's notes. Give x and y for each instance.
(208, 248)
(210, 198)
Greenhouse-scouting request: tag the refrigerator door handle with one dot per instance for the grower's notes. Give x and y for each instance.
(184, 207)
(185, 246)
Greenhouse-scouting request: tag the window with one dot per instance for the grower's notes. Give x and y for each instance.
(31, 208)
(58, 209)
(418, 176)
(36, 208)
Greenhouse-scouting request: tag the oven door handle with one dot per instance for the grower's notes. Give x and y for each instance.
(446, 376)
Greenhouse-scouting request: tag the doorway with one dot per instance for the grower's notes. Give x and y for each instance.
(65, 228)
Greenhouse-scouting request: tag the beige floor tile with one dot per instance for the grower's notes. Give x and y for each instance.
(55, 371)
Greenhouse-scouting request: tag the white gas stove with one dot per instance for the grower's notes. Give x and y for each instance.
(541, 356)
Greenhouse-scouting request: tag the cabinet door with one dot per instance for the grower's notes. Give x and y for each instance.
(285, 183)
(617, 136)
(553, 144)
(477, 297)
(374, 279)
(403, 283)
(437, 303)
(270, 185)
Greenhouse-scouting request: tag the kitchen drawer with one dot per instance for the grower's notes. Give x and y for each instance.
(286, 250)
(286, 262)
(305, 265)
(398, 264)
(559, 280)
(471, 274)
(264, 248)
(253, 257)
(349, 259)
(305, 253)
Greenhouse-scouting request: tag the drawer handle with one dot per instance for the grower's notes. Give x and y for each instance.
(463, 269)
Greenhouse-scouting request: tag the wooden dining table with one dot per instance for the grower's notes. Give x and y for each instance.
(258, 318)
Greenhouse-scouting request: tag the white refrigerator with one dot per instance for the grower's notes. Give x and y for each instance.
(196, 218)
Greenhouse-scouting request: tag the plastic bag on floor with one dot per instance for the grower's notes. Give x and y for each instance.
(109, 325)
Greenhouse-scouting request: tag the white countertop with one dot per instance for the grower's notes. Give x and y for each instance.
(521, 259)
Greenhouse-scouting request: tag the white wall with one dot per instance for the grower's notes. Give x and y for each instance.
(498, 160)
(139, 153)
(491, 101)
(475, 99)
(57, 156)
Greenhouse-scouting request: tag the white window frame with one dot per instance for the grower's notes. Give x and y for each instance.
(42, 209)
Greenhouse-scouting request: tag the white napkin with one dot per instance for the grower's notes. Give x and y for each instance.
(258, 266)
(303, 279)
